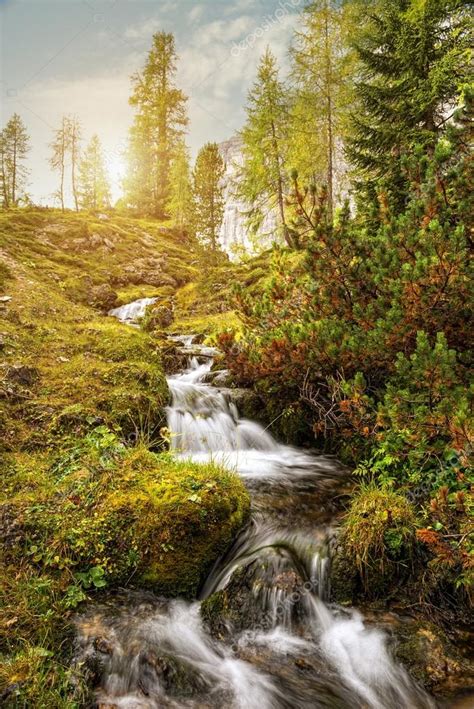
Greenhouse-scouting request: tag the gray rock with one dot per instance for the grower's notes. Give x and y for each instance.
(103, 297)
(248, 403)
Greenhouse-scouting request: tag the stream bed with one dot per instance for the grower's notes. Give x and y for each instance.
(274, 642)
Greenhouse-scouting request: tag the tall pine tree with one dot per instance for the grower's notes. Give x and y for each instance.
(263, 181)
(413, 61)
(321, 65)
(60, 147)
(94, 190)
(14, 147)
(208, 191)
(158, 128)
(180, 203)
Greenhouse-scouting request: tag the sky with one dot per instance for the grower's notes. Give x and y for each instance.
(76, 57)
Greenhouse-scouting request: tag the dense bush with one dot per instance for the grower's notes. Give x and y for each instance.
(370, 341)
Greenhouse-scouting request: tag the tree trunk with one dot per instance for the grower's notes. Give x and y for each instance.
(14, 166)
(74, 147)
(281, 203)
(330, 136)
(63, 151)
(6, 196)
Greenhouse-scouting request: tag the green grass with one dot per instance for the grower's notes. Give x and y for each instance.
(85, 504)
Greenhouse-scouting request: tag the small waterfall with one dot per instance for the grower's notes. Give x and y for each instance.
(276, 575)
(132, 313)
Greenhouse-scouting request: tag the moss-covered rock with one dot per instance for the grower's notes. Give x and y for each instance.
(376, 547)
(94, 517)
(133, 513)
(249, 600)
(428, 655)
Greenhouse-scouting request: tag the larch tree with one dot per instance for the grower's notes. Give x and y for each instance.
(159, 125)
(14, 148)
(208, 193)
(263, 182)
(4, 175)
(180, 202)
(60, 147)
(74, 146)
(94, 189)
(320, 71)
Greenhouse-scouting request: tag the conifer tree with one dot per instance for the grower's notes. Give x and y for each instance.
(60, 147)
(208, 191)
(14, 147)
(263, 181)
(181, 192)
(74, 147)
(412, 64)
(94, 190)
(158, 128)
(320, 69)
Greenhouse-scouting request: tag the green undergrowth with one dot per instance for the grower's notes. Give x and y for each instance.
(64, 366)
(206, 305)
(86, 505)
(86, 519)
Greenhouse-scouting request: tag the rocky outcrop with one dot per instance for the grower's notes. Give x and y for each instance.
(149, 270)
(234, 234)
(103, 297)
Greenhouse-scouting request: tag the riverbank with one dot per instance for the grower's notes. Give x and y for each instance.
(90, 500)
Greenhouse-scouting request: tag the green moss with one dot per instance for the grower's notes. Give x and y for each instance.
(377, 542)
(100, 515)
(83, 504)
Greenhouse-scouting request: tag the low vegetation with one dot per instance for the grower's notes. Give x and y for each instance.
(91, 500)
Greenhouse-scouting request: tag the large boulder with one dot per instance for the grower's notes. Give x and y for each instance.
(146, 270)
(159, 315)
(103, 297)
(267, 592)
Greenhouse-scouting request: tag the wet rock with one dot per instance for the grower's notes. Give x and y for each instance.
(175, 677)
(159, 316)
(222, 378)
(173, 359)
(103, 645)
(103, 297)
(248, 403)
(267, 592)
(344, 579)
(428, 654)
(218, 378)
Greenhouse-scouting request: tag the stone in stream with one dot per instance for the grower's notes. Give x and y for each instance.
(259, 596)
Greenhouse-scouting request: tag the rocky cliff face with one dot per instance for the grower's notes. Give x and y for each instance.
(234, 236)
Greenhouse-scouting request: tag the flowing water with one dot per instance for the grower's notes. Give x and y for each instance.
(132, 312)
(289, 649)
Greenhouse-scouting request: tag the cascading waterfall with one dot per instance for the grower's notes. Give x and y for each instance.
(163, 655)
(132, 312)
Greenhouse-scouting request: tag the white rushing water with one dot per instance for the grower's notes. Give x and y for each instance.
(206, 426)
(283, 555)
(132, 313)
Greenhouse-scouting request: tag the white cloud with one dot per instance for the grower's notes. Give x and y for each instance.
(211, 72)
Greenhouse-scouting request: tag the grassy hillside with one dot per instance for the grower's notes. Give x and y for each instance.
(86, 504)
